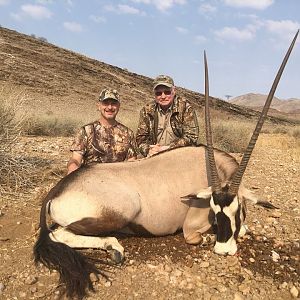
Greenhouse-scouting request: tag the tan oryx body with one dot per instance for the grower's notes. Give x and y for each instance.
(158, 195)
(142, 196)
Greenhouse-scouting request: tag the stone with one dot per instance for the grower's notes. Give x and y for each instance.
(2, 287)
(275, 256)
(204, 264)
(276, 214)
(94, 277)
(107, 284)
(31, 280)
(294, 292)
(238, 296)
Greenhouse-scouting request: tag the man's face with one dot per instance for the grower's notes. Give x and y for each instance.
(164, 96)
(109, 108)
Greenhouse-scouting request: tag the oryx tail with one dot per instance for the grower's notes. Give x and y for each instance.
(73, 268)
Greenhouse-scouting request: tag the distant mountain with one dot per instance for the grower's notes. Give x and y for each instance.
(256, 101)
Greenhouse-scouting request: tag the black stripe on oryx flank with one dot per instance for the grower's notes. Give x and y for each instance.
(110, 221)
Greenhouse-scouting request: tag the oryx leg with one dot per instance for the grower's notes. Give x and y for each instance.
(198, 222)
(109, 244)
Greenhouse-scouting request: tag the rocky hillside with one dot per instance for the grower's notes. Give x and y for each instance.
(61, 82)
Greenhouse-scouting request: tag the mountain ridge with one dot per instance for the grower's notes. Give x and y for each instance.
(255, 100)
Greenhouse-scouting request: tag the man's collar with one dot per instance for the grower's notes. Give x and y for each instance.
(168, 110)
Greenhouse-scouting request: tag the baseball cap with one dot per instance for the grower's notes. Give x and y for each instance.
(163, 80)
(109, 94)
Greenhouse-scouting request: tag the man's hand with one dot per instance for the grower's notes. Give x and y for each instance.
(74, 162)
(154, 149)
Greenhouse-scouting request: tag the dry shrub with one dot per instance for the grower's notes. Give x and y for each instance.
(295, 132)
(15, 171)
(229, 135)
(49, 125)
(280, 130)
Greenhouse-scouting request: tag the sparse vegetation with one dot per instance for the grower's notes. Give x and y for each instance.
(280, 130)
(295, 132)
(49, 125)
(15, 171)
(228, 135)
(40, 38)
(129, 119)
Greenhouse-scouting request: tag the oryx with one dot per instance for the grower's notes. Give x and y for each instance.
(158, 195)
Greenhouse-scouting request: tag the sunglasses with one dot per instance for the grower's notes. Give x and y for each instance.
(166, 92)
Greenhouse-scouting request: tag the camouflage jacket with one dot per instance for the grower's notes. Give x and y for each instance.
(183, 122)
(102, 144)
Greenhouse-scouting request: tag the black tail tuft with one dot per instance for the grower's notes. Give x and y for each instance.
(73, 268)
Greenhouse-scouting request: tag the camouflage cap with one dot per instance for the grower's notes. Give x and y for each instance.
(163, 80)
(109, 94)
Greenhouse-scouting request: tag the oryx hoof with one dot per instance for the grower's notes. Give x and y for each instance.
(116, 256)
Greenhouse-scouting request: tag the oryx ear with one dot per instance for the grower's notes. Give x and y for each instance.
(202, 194)
(250, 196)
(205, 193)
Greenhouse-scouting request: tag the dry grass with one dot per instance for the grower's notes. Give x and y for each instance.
(15, 171)
(229, 135)
(48, 125)
(129, 119)
(285, 142)
(295, 132)
(282, 129)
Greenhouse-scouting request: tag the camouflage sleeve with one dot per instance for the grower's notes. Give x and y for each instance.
(132, 150)
(190, 129)
(80, 142)
(143, 138)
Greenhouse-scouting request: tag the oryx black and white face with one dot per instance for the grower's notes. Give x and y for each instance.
(224, 201)
(226, 208)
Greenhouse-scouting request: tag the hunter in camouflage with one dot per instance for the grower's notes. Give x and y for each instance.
(102, 144)
(168, 122)
(104, 140)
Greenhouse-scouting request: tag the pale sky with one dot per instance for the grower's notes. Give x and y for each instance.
(245, 40)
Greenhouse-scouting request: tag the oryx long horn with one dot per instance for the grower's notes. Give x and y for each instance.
(215, 181)
(242, 167)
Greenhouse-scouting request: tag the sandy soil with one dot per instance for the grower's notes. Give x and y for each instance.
(266, 266)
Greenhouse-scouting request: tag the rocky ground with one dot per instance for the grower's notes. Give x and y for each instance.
(266, 267)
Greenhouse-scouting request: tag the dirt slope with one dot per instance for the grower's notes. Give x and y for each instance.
(61, 82)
